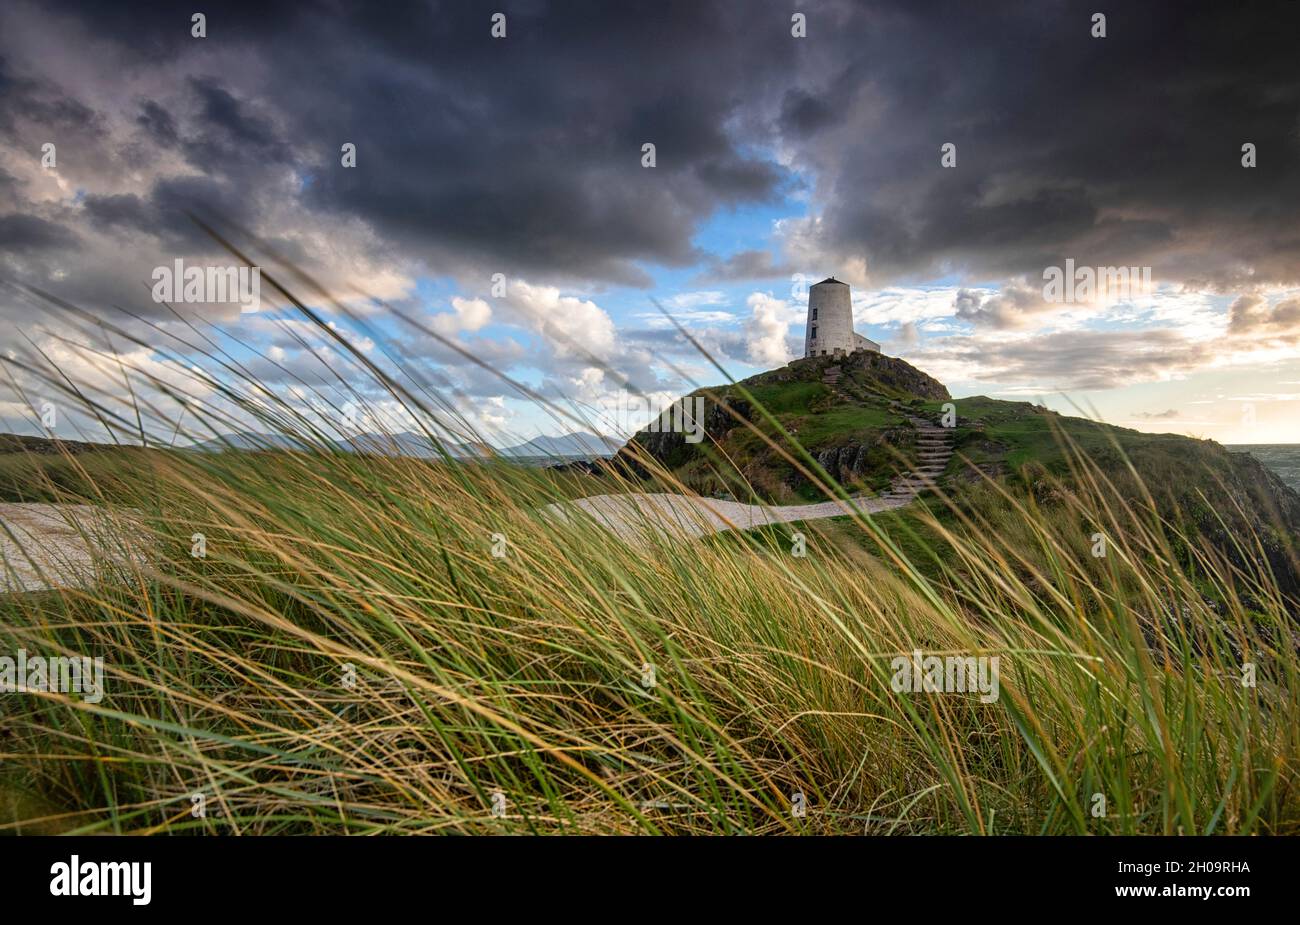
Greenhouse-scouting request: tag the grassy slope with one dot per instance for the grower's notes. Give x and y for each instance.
(522, 673)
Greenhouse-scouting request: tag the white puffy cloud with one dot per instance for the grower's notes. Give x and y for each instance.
(571, 326)
(467, 315)
(767, 330)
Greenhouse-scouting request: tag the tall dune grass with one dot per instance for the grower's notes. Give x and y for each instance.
(351, 656)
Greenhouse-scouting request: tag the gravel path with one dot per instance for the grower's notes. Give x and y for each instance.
(53, 545)
(631, 515)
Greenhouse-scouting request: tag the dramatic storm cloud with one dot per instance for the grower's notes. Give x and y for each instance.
(522, 155)
(521, 158)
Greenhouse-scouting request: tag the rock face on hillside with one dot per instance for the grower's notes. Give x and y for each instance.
(665, 444)
(1259, 504)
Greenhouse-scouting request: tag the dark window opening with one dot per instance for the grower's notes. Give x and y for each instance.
(814, 332)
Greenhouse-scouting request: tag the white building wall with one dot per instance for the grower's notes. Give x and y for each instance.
(865, 343)
(830, 319)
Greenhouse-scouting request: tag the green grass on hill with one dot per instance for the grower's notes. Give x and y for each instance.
(840, 425)
(788, 398)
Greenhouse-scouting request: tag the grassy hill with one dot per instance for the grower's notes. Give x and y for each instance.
(855, 419)
(847, 413)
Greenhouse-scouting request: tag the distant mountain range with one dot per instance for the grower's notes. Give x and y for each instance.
(579, 444)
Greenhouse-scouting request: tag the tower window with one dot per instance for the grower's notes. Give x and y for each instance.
(814, 317)
(813, 335)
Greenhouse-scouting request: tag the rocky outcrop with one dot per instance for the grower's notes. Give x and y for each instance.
(670, 448)
(1257, 504)
(851, 462)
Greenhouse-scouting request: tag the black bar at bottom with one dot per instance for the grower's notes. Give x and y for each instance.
(329, 876)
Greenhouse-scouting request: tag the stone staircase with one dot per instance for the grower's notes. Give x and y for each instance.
(934, 449)
(831, 376)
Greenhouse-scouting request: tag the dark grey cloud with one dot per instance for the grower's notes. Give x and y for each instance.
(522, 155)
(37, 99)
(120, 210)
(474, 155)
(1117, 151)
(158, 124)
(745, 265)
(27, 234)
(1069, 360)
(1014, 306)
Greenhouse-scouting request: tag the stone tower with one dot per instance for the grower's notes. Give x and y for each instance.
(830, 322)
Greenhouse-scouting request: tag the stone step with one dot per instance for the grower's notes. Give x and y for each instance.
(934, 446)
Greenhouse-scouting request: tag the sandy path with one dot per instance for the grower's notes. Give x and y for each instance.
(631, 515)
(54, 545)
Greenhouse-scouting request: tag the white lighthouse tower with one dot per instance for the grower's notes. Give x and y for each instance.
(830, 322)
